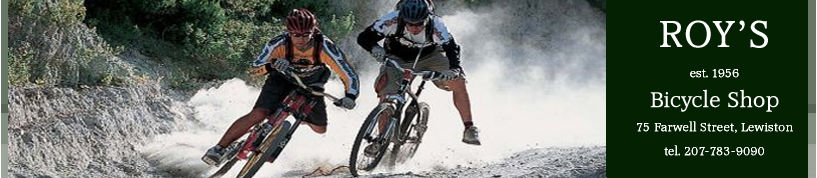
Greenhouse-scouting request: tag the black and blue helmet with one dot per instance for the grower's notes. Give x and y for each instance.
(413, 11)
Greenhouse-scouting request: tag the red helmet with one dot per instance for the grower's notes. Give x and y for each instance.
(301, 21)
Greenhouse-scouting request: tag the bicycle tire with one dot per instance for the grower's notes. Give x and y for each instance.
(364, 128)
(257, 160)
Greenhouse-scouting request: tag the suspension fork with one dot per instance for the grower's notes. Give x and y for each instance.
(290, 105)
(287, 138)
(299, 114)
(414, 97)
(396, 123)
(413, 104)
(392, 120)
(303, 109)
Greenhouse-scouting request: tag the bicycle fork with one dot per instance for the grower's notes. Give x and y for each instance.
(280, 147)
(385, 134)
(299, 114)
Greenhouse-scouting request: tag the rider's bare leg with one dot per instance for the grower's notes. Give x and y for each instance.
(242, 125)
(461, 99)
(383, 120)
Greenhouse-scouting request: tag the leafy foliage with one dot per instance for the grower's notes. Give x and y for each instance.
(50, 46)
(203, 39)
(58, 42)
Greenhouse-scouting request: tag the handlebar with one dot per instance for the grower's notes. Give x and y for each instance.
(426, 75)
(295, 79)
(301, 84)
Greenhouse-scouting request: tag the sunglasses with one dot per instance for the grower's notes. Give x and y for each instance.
(416, 24)
(301, 35)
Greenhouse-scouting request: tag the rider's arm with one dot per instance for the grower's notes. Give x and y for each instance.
(384, 26)
(452, 51)
(369, 38)
(443, 36)
(272, 50)
(337, 61)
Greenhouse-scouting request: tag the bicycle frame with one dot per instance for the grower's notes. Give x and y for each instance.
(298, 103)
(295, 104)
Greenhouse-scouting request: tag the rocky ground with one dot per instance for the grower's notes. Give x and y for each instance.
(584, 162)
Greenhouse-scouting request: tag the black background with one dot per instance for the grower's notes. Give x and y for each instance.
(638, 66)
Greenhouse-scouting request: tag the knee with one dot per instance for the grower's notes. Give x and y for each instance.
(319, 129)
(256, 115)
(381, 98)
(457, 85)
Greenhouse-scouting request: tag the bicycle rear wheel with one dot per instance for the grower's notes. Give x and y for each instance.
(370, 134)
(413, 128)
(264, 150)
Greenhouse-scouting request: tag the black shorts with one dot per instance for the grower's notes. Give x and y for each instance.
(276, 88)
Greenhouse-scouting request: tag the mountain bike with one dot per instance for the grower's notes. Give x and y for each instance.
(403, 128)
(267, 139)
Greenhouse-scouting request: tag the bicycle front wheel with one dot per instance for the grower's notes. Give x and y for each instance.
(375, 132)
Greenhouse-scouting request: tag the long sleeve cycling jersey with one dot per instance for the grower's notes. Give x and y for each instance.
(407, 45)
(306, 62)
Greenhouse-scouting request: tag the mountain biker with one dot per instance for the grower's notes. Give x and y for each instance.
(310, 55)
(406, 31)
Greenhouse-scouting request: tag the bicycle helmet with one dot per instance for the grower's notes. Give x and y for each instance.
(414, 11)
(301, 21)
(429, 2)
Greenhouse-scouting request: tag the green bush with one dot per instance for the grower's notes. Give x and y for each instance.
(195, 40)
(19, 67)
(338, 27)
(204, 40)
(49, 45)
